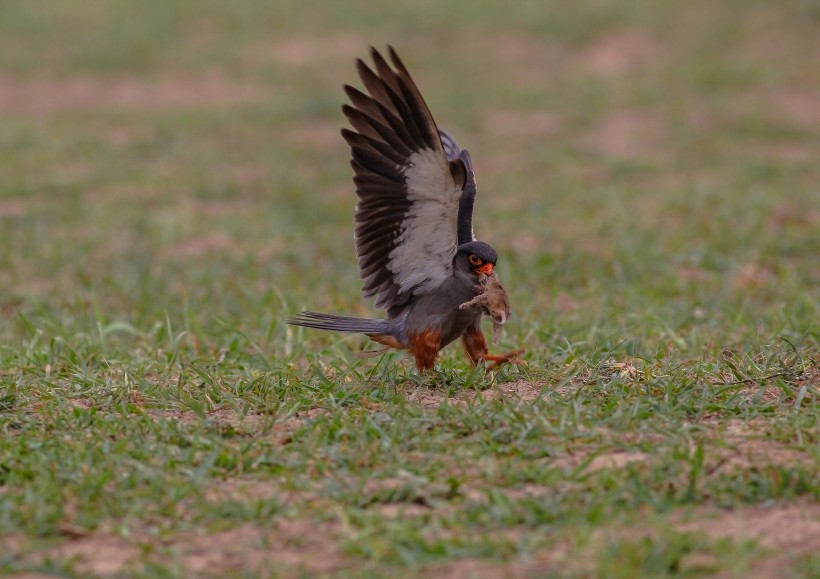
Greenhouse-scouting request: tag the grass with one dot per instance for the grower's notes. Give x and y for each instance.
(174, 186)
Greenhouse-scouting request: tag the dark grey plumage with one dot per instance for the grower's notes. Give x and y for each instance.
(392, 127)
(414, 237)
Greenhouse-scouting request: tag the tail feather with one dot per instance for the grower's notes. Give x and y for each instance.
(336, 323)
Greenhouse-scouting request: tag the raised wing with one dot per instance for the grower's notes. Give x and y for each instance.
(448, 143)
(468, 193)
(407, 218)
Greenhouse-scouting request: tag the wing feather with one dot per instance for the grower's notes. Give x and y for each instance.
(373, 145)
(408, 188)
(379, 117)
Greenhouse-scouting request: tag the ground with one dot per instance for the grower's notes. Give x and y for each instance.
(174, 186)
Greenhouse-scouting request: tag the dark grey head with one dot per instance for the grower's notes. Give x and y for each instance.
(476, 257)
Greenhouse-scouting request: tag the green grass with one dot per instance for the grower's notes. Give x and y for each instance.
(174, 186)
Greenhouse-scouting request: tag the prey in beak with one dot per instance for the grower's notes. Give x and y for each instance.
(486, 269)
(492, 298)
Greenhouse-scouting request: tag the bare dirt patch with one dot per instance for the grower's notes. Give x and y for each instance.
(101, 554)
(520, 61)
(789, 216)
(539, 564)
(521, 390)
(522, 124)
(279, 428)
(291, 546)
(746, 444)
(295, 545)
(402, 510)
(46, 95)
(757, 454)
(778, 527)
(17, 207)
(312, 135)
(223, 419)
(619, 52)
(770, 152)
(788, 531)
(300, 51)
(630, 135)
(242, 489)
(199, 246)
(800, 108)
(598, 461)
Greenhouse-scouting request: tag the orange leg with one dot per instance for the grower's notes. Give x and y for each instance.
(425, 347)
(476, 347)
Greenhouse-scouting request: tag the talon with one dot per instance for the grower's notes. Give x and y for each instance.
(415, 246)
(508, 358)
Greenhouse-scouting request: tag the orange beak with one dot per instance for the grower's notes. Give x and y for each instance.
(486, 269)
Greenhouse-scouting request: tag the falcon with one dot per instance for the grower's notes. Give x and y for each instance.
(415, 245)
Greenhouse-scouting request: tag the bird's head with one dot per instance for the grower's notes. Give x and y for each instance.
(476, 257)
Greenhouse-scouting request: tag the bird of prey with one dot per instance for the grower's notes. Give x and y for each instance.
(414, 237)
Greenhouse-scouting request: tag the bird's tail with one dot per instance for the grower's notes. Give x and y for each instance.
(336, 323)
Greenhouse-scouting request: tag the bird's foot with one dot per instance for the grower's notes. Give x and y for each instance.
(508, 358)
(364, 354)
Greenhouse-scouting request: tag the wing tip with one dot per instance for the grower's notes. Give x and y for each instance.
(394, 57)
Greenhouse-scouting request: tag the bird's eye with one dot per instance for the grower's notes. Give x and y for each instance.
(474, 259)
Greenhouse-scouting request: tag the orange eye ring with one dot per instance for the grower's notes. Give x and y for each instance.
(474, 259)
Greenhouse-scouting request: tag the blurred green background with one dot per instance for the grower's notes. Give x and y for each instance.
(173, 185)
(639, 159)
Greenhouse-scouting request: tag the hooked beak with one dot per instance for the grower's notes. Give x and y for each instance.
(486, 269)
